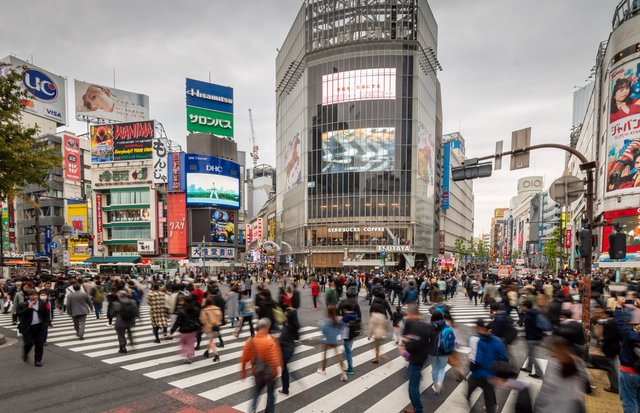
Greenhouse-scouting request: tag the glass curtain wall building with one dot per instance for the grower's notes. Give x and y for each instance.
(357, 131)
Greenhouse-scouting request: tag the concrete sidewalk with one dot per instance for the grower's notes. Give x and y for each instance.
(600, 401)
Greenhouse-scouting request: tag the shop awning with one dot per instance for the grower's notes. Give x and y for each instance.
(106, 260)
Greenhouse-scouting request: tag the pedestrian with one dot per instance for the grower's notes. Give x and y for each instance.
(378, 327)
(314, 293)
(187, 323)
(396, 320)
(534, 329)
(247, 310)
(486, 351)
(416, 341)
(78, 306)
(34, 317)
(611, 339)
(331, 329)
(112, 297)
(248, 283)
(289, 334)
(564, 371)
(125, 311)
(330, 296)
(231, 298)
(157, 312)
(442, 345)
(295, 296)
(629, 379)
(97, 298)
(263, 352)
(210, 319)
(220, 302)
(349, 310)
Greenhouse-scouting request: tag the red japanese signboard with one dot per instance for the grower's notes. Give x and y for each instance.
(177, 223)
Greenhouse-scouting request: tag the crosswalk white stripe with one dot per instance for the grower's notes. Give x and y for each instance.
(308, 382)
(534, 385)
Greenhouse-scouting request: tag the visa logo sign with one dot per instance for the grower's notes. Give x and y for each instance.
(54, 113)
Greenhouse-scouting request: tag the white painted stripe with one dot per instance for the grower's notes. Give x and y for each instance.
(534, 385)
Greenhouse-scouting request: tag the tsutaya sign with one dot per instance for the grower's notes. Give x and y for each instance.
(356, 229)
(395, 248)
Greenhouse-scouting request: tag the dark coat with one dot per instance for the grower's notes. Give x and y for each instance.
(25, 314)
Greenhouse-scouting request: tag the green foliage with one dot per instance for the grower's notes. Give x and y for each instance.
(23, 160)
(550, 248)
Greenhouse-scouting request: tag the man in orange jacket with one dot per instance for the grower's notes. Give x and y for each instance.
(263, 352)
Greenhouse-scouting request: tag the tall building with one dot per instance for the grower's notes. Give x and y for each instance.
(357, 129)
(497, 245)
(456, 216)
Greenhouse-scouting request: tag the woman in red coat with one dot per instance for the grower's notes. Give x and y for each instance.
(315, 290)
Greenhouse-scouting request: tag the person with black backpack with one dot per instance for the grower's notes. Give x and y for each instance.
(349, 310)
(416, 341)
(125, 311)
(442, 345)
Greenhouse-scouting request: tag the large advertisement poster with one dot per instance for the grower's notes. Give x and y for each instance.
(97, 102)
(426, 147)
(364, 84)
(212, 181)
(77, 216)
(357, 150)
(160, 161)
(623, 138)
(209, 108)
(209, 121)
(223, 227)
(98, 228)
(177, 224)
(629, 222)
(446, 175)
(121, 142)
(292, 162)
(46, 92)
(72, 158)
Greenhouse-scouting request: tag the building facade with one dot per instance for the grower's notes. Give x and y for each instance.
(356, 134)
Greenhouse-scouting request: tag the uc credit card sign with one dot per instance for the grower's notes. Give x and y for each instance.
(212, 181)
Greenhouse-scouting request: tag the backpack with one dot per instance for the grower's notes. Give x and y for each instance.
(447, 340)
(262, 372)
(542, 322)
(98, 294)
(128, 310)
(355, 328)
(412, 295)
(278, 315)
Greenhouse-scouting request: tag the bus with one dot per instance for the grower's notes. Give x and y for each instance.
(124, 268)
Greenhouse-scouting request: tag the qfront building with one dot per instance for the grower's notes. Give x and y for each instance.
(358, 124)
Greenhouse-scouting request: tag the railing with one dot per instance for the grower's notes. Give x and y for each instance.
(625, 10)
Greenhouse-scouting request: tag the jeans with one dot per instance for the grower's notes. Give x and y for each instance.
(415, 375)
(438, 366)
(348, 353)
(78, 324)
(531, 353)
(487, 390)
(271, 398)
(629, 385)
(287, 353)
(97, 307)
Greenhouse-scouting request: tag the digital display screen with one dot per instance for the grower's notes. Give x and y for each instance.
(212, 181)
(223, 227)
(358, 150)
(354, 85)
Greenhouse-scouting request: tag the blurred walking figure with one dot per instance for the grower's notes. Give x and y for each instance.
(78, 306)
(125, 311)
(415, 349)
(289, 335)
(247, 311)
(157, 312)
(331, 329)
(187, 324)
(210, 319)
(378, 327)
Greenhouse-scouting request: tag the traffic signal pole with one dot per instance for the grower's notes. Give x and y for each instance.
(588, 167)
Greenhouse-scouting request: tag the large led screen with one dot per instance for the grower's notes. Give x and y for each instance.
(223, 228)
(212, 181)
(623, 138)
(364, 84)
(358, 150)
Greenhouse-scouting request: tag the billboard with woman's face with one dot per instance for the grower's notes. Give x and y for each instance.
(623, 136)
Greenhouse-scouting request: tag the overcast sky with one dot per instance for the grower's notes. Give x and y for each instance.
(507, 64)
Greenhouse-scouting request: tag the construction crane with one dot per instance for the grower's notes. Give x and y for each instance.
(254, 147)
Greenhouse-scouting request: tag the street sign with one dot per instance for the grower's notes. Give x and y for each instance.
(566, 190)
(520, 139)
(66, 258)
(54, 245)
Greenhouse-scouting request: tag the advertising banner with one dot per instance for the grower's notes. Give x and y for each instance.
(426, 154)
(122, 142)
(209, 121)
(257, 231)
(72, 158)
(446, 175)
(223, 227)
(292, 162)
(212, 181)
(213, 252)
(364, 84)
(77, 216)
(6, 245)
(46, 91)
(129, 215)
(123, 175)
(176, 224)
(98, 229)
(248, 234)
(271, 224)
(623, 137)
(358, 150)
(146, 247)
(97, 102)
(79, 250)
(629, 221)
(209, 96)
(176, 173)
(567, 239)
(160, 161)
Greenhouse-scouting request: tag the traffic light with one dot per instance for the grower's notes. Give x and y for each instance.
(382, 261)
(617, 245)
(471, 169)
(584, 242)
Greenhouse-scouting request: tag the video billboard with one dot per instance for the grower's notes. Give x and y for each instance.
(629, 221)
(95, 102)
(72, 158)
(212, 181)
(122, 142)
(292, 162)
(358, 150)
(46, 91)
(363, 84)
(223, 227)
(623, 137)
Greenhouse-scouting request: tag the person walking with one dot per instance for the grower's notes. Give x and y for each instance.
(349, 310)
(187, 323)
(611, 339)
(486, 351)
(331, 329)
(314, 293)
(97, 298)
(125, 311)
(443, 344)
(629, 378)
(330, 297)
(378, 328)
(262, 352)
(210, 319)
(78, 306)
(534, 333)
(157, 312)
(34, 317)
(232, 298)
(247, 310)
(289, 334)
(416, 341)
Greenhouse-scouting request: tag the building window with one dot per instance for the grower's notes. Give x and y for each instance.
(134, 197)
(130, 233)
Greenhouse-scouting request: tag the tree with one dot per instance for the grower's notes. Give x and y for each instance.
(553, 249)
(23, 160)
(461, 248)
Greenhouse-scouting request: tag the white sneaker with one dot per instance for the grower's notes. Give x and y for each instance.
(320, 371)
(343, 377)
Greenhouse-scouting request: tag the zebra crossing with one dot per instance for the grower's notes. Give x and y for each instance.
(374, 388)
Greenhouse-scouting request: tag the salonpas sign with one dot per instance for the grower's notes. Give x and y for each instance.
(209, 121)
